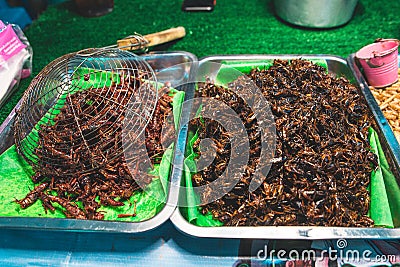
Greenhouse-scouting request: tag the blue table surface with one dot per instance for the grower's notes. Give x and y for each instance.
(164, 246)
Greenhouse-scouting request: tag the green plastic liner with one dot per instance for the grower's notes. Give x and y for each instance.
(384, 189)
(15, 173)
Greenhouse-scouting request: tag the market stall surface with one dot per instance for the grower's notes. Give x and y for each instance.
(234, 27)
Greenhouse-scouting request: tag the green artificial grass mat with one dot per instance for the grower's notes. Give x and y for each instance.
(234, 27)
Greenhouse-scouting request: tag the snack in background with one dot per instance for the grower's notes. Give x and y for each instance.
(15, 59)
(388, 100)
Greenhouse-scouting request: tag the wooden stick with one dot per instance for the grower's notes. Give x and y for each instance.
(387, 101)
(153, 38)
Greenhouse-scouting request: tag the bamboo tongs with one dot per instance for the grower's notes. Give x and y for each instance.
(139, 42)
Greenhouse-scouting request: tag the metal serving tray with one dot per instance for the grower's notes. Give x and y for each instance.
(172, 67)
(391, 138)
(340, 67)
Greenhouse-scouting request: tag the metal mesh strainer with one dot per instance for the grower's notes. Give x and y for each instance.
(72, 114)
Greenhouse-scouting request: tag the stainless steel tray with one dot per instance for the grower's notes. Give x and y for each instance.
(393, 144)
(338, 66)
(172, 67)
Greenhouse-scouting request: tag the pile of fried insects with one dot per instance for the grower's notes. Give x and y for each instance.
(101, 125)
(322, 142)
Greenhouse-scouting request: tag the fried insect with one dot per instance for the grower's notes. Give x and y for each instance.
(32, 196)
(322, 162)
(71, 209)
(127, 215)
(81, 158)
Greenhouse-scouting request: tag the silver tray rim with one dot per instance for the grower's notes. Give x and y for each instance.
(66, 224)
(286, 232)
(384, 124)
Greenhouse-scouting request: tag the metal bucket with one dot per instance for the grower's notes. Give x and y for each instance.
(315, 13)
(380, 62)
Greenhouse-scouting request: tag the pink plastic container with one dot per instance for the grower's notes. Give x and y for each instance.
(380, 62)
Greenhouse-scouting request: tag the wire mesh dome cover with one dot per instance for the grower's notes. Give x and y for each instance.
(73, 114)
